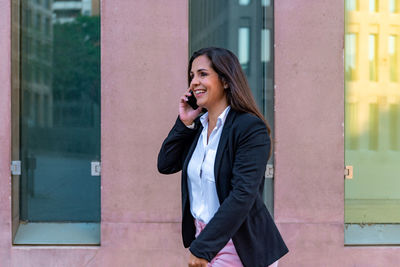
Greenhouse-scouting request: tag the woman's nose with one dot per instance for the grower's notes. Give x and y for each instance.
(194, 81)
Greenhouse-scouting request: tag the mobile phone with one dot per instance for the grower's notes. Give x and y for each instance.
(192, 101)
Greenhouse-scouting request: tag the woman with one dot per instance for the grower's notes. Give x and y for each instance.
(223, 155)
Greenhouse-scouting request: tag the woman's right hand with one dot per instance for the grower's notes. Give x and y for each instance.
(186, 113)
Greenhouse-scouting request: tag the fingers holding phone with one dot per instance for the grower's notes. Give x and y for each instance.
(188, 108)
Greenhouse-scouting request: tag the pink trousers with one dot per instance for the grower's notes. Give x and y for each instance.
(227, 256)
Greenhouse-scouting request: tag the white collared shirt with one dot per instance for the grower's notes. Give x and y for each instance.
(203, 196)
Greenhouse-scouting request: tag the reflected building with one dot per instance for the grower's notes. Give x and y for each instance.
(36, 63)
(372, 123)
(67, 10)
(235, 25)
(60, 108)
(76, 59)
(246, 28)
(59, 86)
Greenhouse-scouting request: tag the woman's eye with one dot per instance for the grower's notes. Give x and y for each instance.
(202, 74)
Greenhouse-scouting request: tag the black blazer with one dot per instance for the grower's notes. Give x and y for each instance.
(240, 163)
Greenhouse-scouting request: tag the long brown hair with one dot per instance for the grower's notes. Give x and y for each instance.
(238, 93)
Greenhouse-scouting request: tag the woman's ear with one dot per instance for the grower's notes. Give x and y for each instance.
(224, 83)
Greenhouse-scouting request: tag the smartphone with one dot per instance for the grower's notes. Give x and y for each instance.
(192, 101)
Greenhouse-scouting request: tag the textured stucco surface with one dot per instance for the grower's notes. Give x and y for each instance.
(309, 111)
(143, 74)
(5, 133)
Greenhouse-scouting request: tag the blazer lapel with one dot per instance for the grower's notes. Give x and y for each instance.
(222, 142)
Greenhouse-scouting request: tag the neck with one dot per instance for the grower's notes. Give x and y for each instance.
(215, 111)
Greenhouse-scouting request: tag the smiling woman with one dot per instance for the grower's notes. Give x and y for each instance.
(223, 155)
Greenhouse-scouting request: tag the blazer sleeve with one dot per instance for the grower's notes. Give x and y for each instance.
(251, 156)
(174, 148)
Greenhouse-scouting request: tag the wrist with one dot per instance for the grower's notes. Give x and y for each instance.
(186, 122)
(191, 126)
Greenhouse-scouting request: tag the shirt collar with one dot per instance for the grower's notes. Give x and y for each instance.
(221, 118)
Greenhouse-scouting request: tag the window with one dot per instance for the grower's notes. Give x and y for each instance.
(244, 48)
(393, 58)
(351, 56)
(373, 57)
(351, 127)
(372, 196)
(38, 21)
(265, 2)
(56, 196)
(394, 117)
(351, 5)
(244, 2)
(393, 6)
(373, 5)
(245, 28)
(373, 126)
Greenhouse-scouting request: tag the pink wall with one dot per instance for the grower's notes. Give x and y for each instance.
(144, 57)
(5, 131)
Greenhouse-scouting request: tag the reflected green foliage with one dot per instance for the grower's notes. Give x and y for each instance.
(76, 69)
(60, 125)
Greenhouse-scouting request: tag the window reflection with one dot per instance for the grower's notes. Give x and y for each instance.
(351, 56)
(244, 47)
(373, 126)
(245, 28)
(372, 114)
(265, 2)
(60, 109)
(225, 24)
(351, 5)
(373, 57)
(373, 5)
(244, 2)
(393, 58)
(393, 6)
(394, 120)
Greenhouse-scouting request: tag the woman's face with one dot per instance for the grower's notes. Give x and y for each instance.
(206, 85)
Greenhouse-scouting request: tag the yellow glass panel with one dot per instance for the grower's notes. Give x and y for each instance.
(393, 6)
(373, 5)
(351, 56)
(372, 112)
(394, 113)
(352, 5)
(351, 127)
(393, 58)
(373, 57)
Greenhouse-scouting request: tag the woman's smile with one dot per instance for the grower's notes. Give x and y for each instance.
(199, 92)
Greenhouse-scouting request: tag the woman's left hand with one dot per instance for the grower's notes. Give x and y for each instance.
(197, 262)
